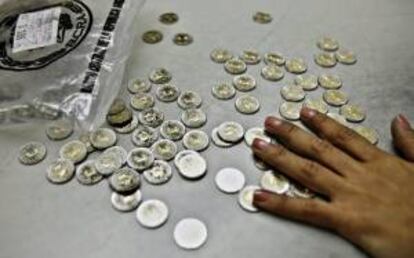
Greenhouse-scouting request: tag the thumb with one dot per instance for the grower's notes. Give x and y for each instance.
(403, 136)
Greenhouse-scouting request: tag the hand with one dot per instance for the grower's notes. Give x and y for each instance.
(369, 193)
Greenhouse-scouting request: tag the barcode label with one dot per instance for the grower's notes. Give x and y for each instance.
(36, 29)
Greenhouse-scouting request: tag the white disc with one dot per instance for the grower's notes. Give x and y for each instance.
(246, 198)
(190, 233)
(230, 180)
(191, 165)
(152, 213)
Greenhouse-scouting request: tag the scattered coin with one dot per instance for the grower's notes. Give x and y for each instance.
(103, 138)
(152, 36)
(152, 213)
(190, 233)
(140, 159)
(74, 151)
(196, 140)
(189, 99)
(345, 56)
(296, 65)
(107, 163)
(256, 133)
(274, 58)
(139, 86)
(247, 104)
(126, 203)
(244, 82)
(32, 153)
(144, 136)
(164, 149)
(118, 151)
(183, 39)
(250, 57)
(316, 104)
(59, 130)
(190, 164)
(194, 118)
(307, 81)
(160, 173)
(168, 93)
(368, 133)
(168, 18)
(142, 101)
(173, 130)
(129, 128)
(325, 59)
(151, 117)
(262, 17)
(300, 191)
(272, 73)
(87, 174)
(60, 171)
(160, 76)
(223, 91)
(231, 132)
(220, 55)
(117, 106)
(217, 141)
(246, 198)
(230, 180)
(328, 44)
(292, 92)
(121, 119)
(259, 163)
(272, 182)
(338, 118)
(352, 113)
(330, 81)
(335, 97)
(85, 138)
(235, 66)
(290, 110)
(124, 180)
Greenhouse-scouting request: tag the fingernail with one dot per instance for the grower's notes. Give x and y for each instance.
(403, 122)
(259, 144)
(307, 112)
(272, 122)
(260, 196)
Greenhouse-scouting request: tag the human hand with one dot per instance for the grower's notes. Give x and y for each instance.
(369, 193)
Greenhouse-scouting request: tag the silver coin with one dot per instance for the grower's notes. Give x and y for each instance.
(160, 76)
(353, 113)
(139, 86)
(272, 73)
(246, 198)
(335, 97)
(168, 18)
(144, 136)
(368, 133)
(235, 66)
(164, 149)
(168, 93)
(217, 141)
(256, 133)
(119, 151)
(140, 159)
(338, 118)
(345, 56)
(152, 213)
(59, 130)
(296, 65)
(330, 81)
(151, 117)
(160, 173)
(230, 180)
(290, 110)
(325, 59)
(32, 153)
(244, 82)
(103, 138)
(87, 174)
(274, 58)
(196, 140)
(142, 101)
(292, 92)
(262, 18)
(193, 118)
(189, 99)
(60, 171)
(223, 91)
(307, 81)
(129, 128)
(328, 44)
(183, 39)
(251, 57)
(231, 132)
(190, 233)
(260, 164)
(247, 104)
(300, 192)
(107, 163)
(173, 130)
(74, 151)
(124, 180)
(190, 164)
(220, 55)
(316, 104)
(126, 203)
(275, 183)
(85, 138)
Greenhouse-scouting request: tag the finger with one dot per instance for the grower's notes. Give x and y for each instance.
(308, 173)
(311, 211)
(303, 143)
(403, 136)
(342, 137)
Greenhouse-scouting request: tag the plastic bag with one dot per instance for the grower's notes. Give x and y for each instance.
(63, 58)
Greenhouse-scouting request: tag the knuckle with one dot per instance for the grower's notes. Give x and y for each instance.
(321, 147)
(310, 170)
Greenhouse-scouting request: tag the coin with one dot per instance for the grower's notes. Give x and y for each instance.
(220, 55)
(330, 81)
(335, 97)
(353, 113)
(168, 18)
(230, 180)
(193, 117)
(262, 17)
(140, 159)
(272, 73)
(139, 86)
(316, 104)
(118, 151)
(256, 133)
(274, 58)
(190, 233)
(183, 39)
(124, 180)
(103, 138)
(190, 164)
(117, 106)
(328, 44)
(250, 57)
(160, 173)
(300, 191)
(231, 132)
(87, 174)
(129, 128)
(152, 213)
(125, 203)
(244, 82)
(246, 198)
(107, 163)
(164, 149)
(196, 140)
(151, 117)
(60, 171)
(217, 141)
(121, 119)
(307, 81)
(292, 92)
(152, 36)
(32, 153)
(144, 136)
(59, 130)
(275, 183)
(74, 151)
(290, 110)
(247, 104)
(338, 118)
(142, 101)
(223, 91)
(345, 56)
(173, 130)
(296, 65)
(167, 93)
(189, 99)
(325, 59)
(235, 66)
(85, 138)
(160, 76)
(368, 133)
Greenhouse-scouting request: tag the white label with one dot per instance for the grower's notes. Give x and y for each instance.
(36, 29)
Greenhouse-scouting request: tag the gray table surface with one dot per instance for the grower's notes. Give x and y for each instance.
(38, 219)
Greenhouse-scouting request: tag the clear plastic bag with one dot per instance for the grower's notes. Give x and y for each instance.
(63, 58)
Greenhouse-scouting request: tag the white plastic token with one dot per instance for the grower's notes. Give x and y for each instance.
(190, 233)
(217, 141)
(246, 198)
(230, 180)
(254, 133)
(274, 182)
(126, 203)
(152, 213)
(190, 164)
